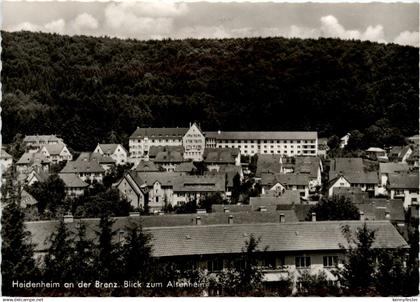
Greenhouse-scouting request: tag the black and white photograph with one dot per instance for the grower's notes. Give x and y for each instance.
(209, 149)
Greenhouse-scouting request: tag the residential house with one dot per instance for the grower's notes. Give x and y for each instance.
(133, 189)
(6, 160)
(229, 172)
(168, 158)
(354, 194)
(146, 166)
(197, 187)
(383, 209)
(74, 186)
(214, 158)
(413, 159)
(105, 161)
(90, 171)
(36, 176)
(56, 153)
(27, 201)
(32, 161)
(269, 164)
(377, 154)
(385, 169)
(264, 203)
(400, 153)
(116, 151)
(290, 247)
(34, 143)
(194, 143)
(405, 187)
(281, 182)
(288, 143)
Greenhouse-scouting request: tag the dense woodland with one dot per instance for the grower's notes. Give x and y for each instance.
(91, 90)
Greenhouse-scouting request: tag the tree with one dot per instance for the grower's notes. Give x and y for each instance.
(244, 277)
(18, 262)
(57, 261)
(358, 275)
(209, 201)
(236, 189)
(356, 141)
(334, 209)
(333, 142)
(315, 285)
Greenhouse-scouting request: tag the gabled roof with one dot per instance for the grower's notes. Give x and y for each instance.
(200, 183)
(258, 135)
(96, 157)
(346, 165)
(211, 239)
(81, 166)
(375, 149)
(307, 165)
(154, 150)
(166, 179)
(185, 167)
(166, 154)
(354, 194)
(110, 148)
(40, 175)
(268, 163)
(390, 168)
(288, 197)
(40, 139)
(404, 181)
(33, 158)
(220, 155)
(228, 171)
(376, 209)
(414, 156)
(358, 178)
(4, 154)
(26, 199)
(288, 179)
(146, 166)
(72, 180)
(54, 149)
(159, 133)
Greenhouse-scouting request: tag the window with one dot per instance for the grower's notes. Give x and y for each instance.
(215, 265)
(330, 261)
(302, 261)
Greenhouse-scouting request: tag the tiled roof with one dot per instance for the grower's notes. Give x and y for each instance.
(376, 209)
(72, 181)
(97, 157)
(390, 168)
(307, 165)
(169, 157)
(404, 181)
(41, 138)
(32, 158)
(355, 195)
(146, 166)
(27, 199)
(4, 154)
(228, 171)
(166, 179)
(54, 149)
(110, 148)
(230, 238)
(81, 166)
(185, 167)
(159, 133)
(258, 135)
(414, 156)
(346, 165)
(268, 163)
(291, 179)
(288, 197)
(154, 150)
(200, 183)
(220, 155)
(231, 207)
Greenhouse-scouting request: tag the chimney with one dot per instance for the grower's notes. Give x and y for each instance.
(387, 214)
(230, 219)
(198, 220)
(362, 216)
(282, 218)
(134, 214)
(313, 216)
(68, 218)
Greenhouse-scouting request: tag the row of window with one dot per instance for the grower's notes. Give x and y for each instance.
(268, 141)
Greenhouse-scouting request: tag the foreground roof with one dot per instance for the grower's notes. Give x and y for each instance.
(230, 238)
(258, 135)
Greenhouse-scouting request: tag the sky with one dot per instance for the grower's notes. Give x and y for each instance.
(379, 22)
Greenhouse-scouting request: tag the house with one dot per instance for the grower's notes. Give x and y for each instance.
(168, 158)
(399, 153)
(6, 160)
(105, 161)
(311, 166)
(33, 143)
(413, 159)
(186, 168)
(229, 172)
(366, 181)
(405, 187)
(288, 248)
(214, 158)
(133, 189)
(281, 182)
(269, 163)
(354, 194)
(74, 186)
(383, 209)
(146, 166)
(194, 143)
(116, 151)
(36, 176)
(27, 200)
(288, 143)
(264, 203)
(377, 153)
(385, 169)
(197, 187)
(143, 138)
(88, 171)
(32, 160)
(56, 153)
(160, 187)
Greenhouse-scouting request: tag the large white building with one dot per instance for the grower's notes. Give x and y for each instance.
(290, 143)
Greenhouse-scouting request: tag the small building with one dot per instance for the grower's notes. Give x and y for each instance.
(281, 182)
(399, 153)
(214, 158)
(36, 176)
(413, 159)
(133, 189)
(168, 158)
(32, 161)
(33, 143)
(366, 181)
(344, 140)
(385, 169)
(323, 147)
(56, 153)
(270, 203)
(146, 166)
(88, 171)
(116, 151)
(405, 187)
(186, 168)
(354, 194)
(105, 161)
(74, 186)
(377, 153)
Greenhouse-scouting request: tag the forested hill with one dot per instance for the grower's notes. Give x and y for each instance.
(94, 89)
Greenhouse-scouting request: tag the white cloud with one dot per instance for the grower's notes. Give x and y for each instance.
(84, 23)
(408, 38)
(57, 26)
(25, 26)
